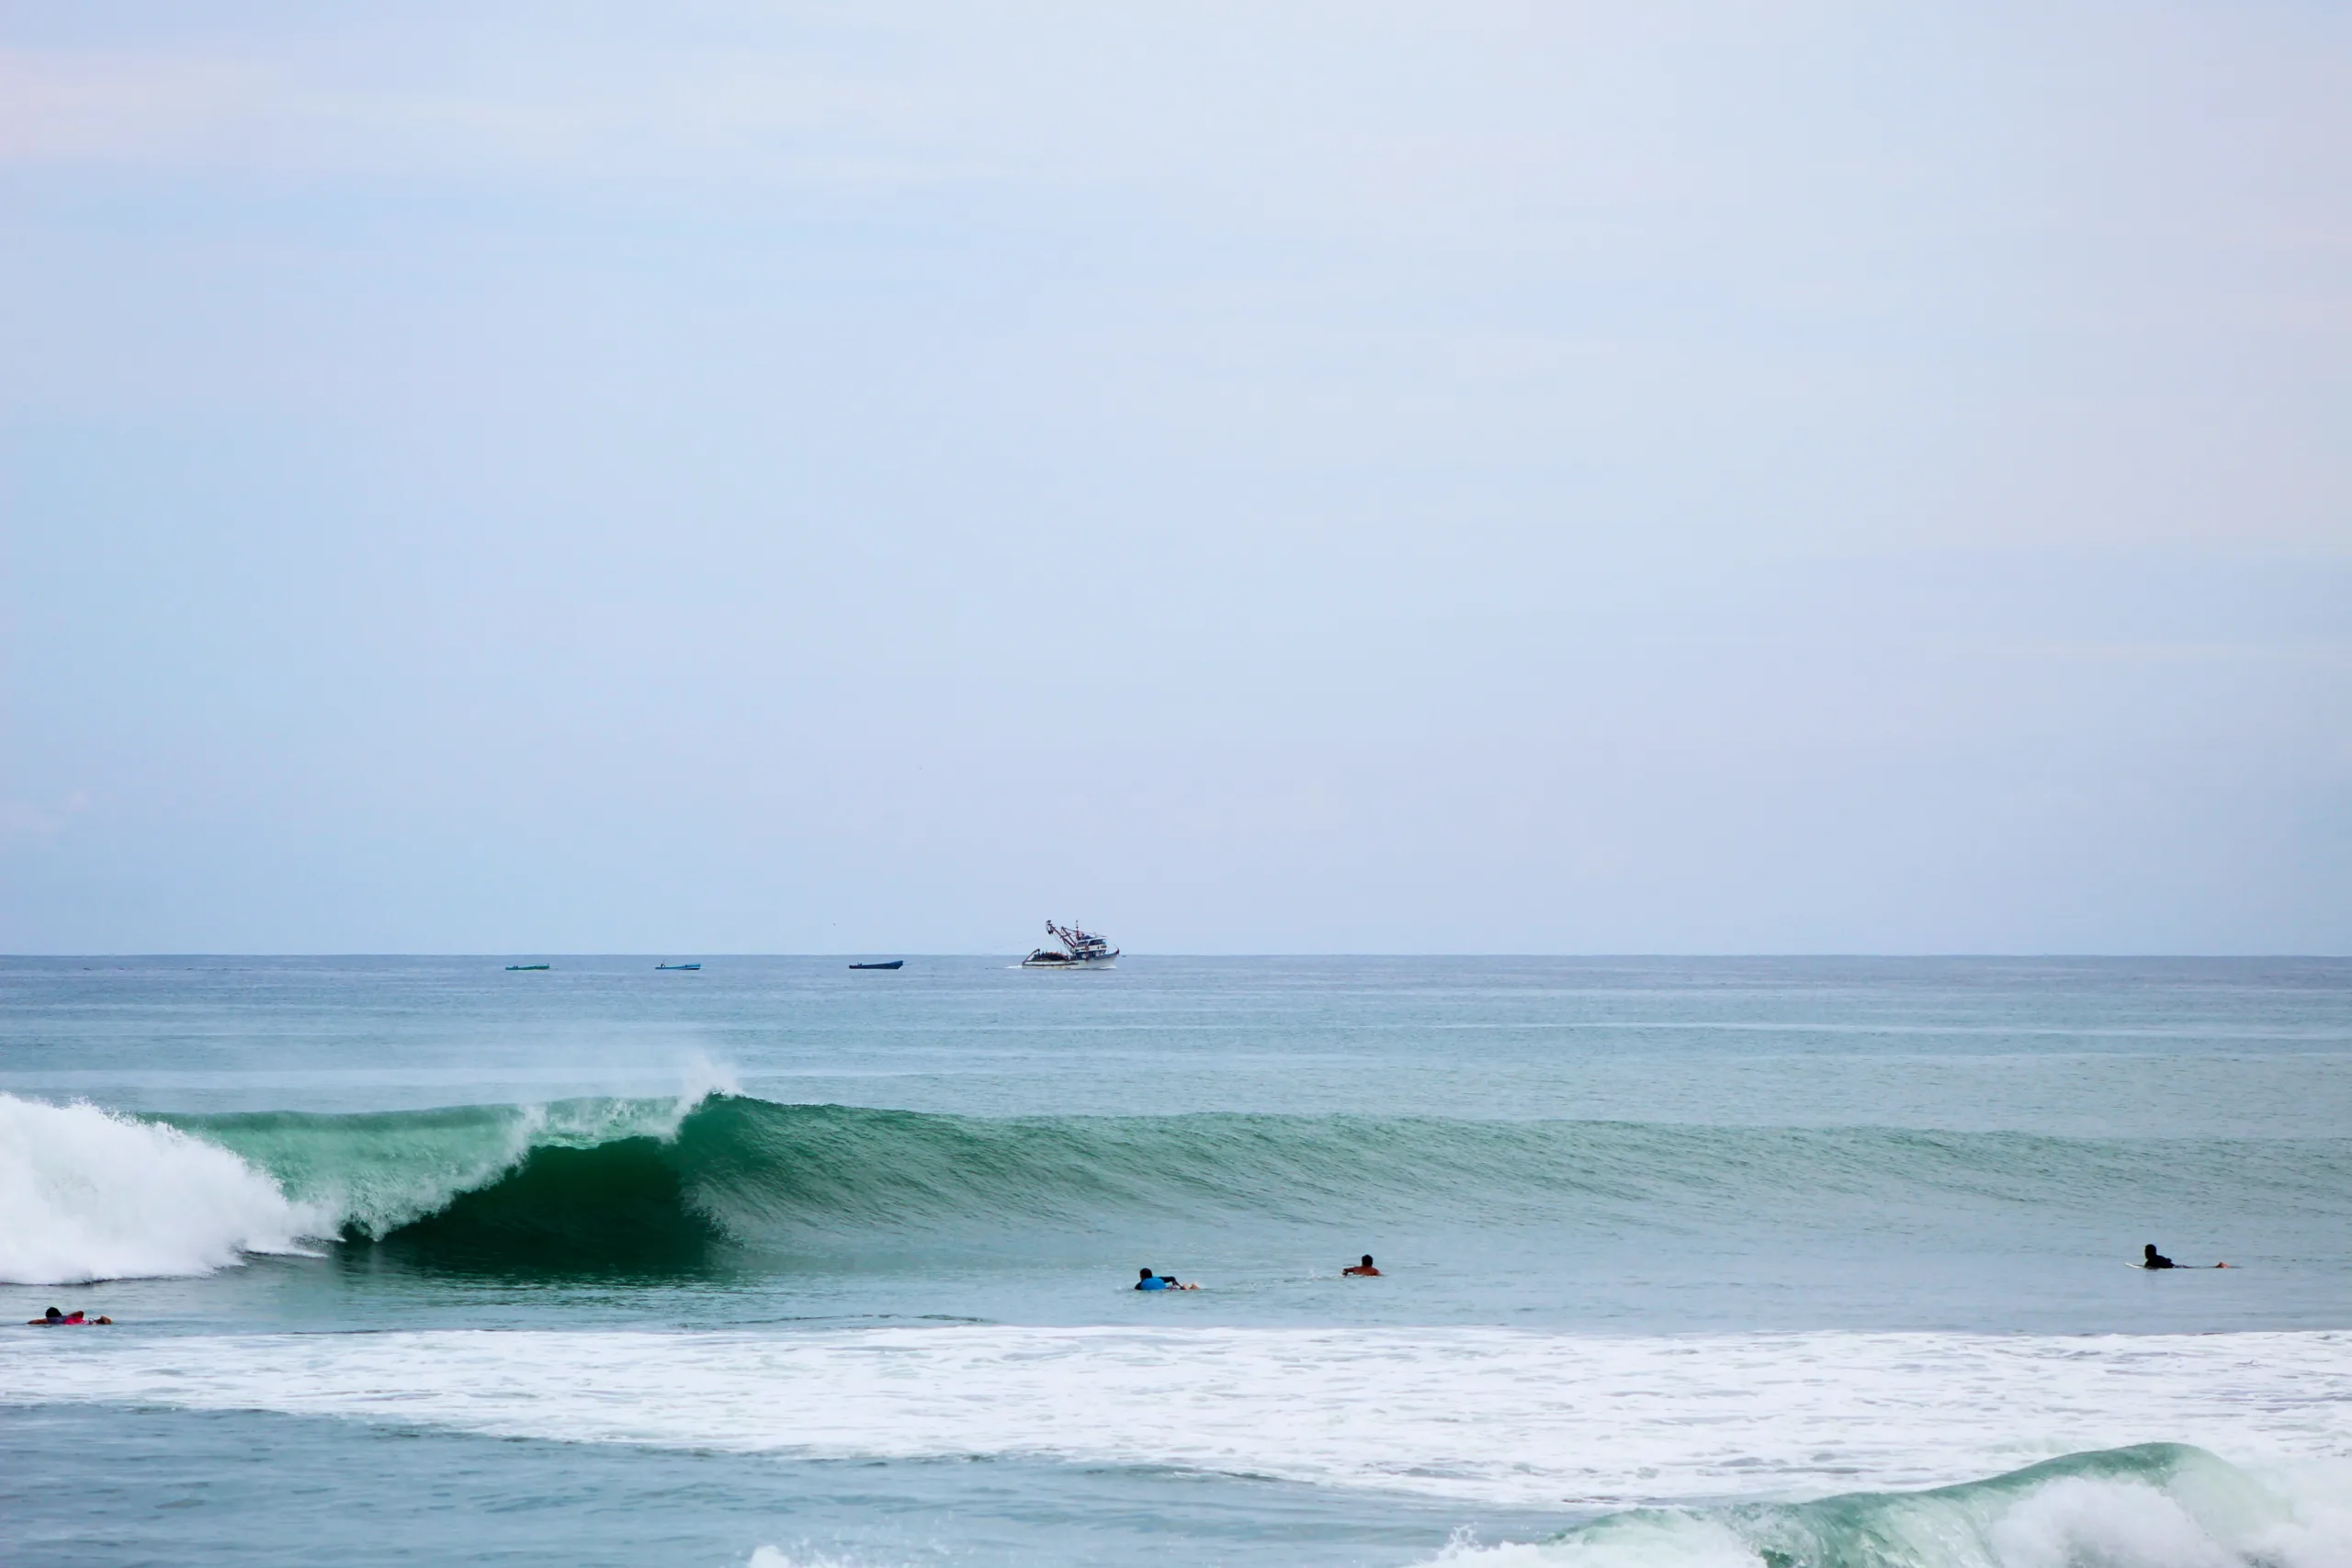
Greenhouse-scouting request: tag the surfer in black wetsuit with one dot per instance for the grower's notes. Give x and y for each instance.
(2152, 1258)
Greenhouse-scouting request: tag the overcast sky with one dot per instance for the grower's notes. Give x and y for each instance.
(1279, 478)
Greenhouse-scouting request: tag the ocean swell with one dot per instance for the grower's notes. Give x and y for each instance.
(601, 1184)
(657, 1183)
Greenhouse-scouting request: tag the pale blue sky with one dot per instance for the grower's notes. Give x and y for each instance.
(1757, 478)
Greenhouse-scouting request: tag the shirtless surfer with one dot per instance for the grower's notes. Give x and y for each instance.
(1363, 1270)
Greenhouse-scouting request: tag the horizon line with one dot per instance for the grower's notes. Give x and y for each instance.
(1395, 953)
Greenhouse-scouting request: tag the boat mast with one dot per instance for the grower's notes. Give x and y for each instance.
(1080, 943)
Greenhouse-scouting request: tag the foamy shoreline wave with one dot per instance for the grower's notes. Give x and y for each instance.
(1478, 1414)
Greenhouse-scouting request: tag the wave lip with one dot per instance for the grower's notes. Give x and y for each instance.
(93, 1195)
(579, 1184)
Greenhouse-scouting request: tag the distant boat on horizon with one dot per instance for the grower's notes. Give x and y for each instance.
(887, 963)
(517, 968)
(677, 967)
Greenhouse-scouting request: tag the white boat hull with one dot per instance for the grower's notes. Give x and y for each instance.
(1106, 961)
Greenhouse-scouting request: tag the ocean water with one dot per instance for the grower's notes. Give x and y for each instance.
(1721, 1263)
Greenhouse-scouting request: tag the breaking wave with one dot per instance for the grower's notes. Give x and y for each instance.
(660, 1184)
(89, 1195)
(2155, 1505)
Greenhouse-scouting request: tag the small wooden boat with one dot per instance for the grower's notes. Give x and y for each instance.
(518, 968)
(677, 967)
(892, 964)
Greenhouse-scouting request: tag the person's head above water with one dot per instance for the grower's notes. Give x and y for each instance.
(1368, 1259)
(2149, 1250)
(52, 1314)
(1146, 1274)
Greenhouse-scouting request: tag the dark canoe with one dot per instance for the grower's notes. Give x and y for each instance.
(893, 964)
(519, 968)
(677, 967)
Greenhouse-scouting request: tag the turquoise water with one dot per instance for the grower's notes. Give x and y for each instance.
(1721, 1261)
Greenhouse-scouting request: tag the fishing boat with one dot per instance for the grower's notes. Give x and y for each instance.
(677, 967)
(1079, 950)
(519, 968)
(888, 963)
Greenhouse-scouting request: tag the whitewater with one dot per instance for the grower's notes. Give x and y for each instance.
(1715, 1264)
(1487, 1414)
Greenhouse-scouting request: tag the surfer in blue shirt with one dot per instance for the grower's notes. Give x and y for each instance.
(1151, 1282)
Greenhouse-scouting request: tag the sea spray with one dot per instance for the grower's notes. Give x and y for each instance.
(88, 1194)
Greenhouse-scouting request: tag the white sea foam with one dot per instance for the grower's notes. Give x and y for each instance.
(1649, 1540)
(86, 1194)
(1492, 1414)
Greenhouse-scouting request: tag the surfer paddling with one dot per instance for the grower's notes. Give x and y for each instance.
(1363, 1270)
(2150, 1258)
(53, 1318)
(1151, 1282)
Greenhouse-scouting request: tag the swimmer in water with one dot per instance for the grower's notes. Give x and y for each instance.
(1150, 1281)
(53, 1318)
(1363, 1269)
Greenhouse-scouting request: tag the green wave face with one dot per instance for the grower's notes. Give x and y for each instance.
(623, 1206)
(656, 1184)
(592, 1184)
